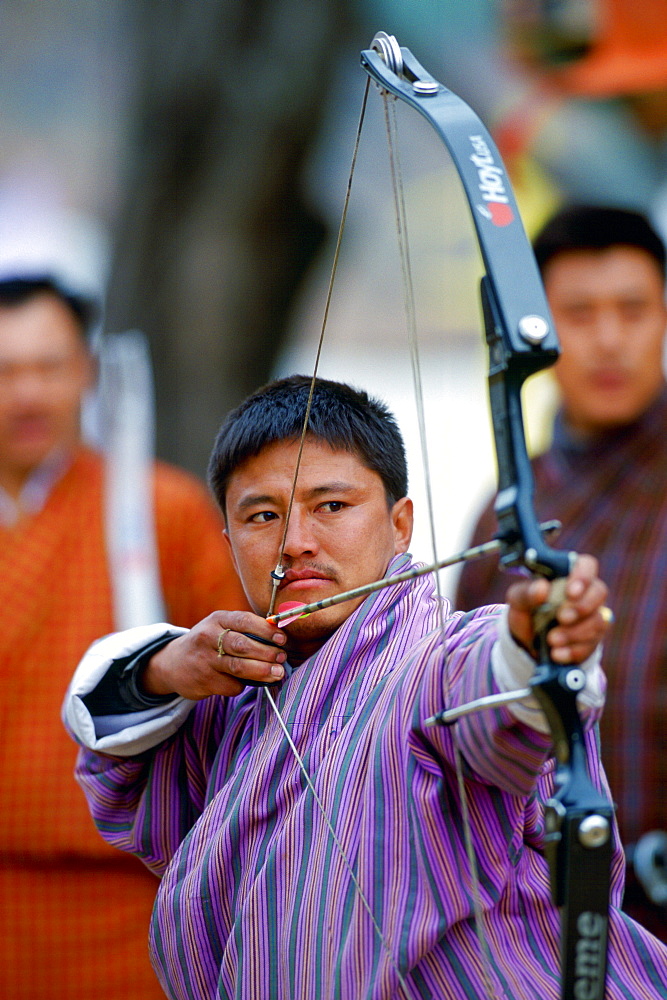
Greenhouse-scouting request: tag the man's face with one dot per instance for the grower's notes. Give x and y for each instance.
(44, 370)
(341, 532)
(609, 311)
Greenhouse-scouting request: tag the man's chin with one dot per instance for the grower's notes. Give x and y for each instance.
(289, 597)
(318, 625)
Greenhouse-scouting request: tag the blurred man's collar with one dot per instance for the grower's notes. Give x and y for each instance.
(572, 440)
(36, 489)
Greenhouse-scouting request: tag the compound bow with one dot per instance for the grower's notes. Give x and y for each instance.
(521, 341)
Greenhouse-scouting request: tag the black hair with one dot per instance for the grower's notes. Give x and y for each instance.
(345, 418)
(18, 291)
(597, 227)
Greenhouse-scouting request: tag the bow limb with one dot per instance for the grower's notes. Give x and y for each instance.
(522, 340)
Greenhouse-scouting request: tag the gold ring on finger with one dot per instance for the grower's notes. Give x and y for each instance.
(221, 651)
(607, 615)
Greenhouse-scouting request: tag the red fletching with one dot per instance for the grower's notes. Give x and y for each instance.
(287, 606)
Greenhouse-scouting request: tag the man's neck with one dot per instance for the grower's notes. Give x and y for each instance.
(584, 436)
(299, 651)
(300, 648)
(13, 480)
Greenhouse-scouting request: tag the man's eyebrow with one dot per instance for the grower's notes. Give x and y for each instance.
(337, 486)
(254, 499)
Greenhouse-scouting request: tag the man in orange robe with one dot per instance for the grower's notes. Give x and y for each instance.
(74, 912)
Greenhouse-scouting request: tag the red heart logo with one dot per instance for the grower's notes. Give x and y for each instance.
(501, 213)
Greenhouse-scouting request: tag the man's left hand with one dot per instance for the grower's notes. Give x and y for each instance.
(581, 623)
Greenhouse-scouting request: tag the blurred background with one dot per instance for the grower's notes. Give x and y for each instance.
(192, 159)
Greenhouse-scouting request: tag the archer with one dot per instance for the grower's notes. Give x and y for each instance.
(317, 851)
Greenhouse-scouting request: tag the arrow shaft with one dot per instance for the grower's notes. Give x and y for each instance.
(475, 552)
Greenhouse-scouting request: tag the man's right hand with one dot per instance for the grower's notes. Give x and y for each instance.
(215, 656)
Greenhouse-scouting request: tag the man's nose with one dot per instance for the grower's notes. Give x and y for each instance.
(300, 538)
(609, 330)
(25, 385)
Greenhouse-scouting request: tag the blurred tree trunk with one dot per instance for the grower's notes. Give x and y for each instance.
(215, 236)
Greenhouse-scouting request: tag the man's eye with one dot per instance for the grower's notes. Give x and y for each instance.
(632, 310)
(579, 314)
(333, 506)
(262, 516)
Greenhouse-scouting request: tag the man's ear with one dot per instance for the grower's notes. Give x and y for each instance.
(225, 535)
(402, 519)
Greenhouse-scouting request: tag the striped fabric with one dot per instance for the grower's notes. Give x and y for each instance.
(612, 501)
(73, 911)
(259, 900)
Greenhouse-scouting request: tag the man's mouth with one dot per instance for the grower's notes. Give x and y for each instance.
(30, 427)
(304, 579)
(609, 379)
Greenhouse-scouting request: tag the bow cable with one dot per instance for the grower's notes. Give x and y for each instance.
(410, 313)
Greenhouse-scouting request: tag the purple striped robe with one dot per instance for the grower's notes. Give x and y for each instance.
(256, 899)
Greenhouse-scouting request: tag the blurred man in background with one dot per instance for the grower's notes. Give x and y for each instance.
(73, 911)
(605, 478)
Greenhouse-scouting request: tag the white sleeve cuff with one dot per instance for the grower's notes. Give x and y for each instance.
(513, 667)
(133, 732)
